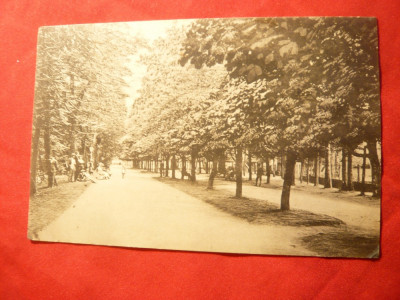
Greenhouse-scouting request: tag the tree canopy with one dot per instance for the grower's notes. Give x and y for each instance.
(79, 92)
(278, 87)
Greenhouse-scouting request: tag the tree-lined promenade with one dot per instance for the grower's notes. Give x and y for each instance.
(251, 92)
(288, 90)
(144, 210)
(79, 106)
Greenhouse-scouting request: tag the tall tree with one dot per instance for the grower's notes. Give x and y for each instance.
(308, 65)
(79, 89)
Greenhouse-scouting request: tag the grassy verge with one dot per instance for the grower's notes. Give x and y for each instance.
(343, 244)
(334, 238)
(48, 204)
(332, 193)
(251, 210)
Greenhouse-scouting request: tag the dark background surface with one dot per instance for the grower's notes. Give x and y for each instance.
(65, 271)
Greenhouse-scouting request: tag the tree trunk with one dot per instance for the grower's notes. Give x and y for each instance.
(156, 163)
(183, 166)
(363, 172)
(308, 171)
(34, 159)
(193, 165)
(207, 167)
(337, 168)
(249, 157)
(239, 158)
(301, 170)
(294, 175)
(273, 167)
(212, 175)
(287, 181)
(96, 141)
(331, 167)
(319, 170)
(47, 153)
(72, 138)
(375, 168)
(350, 186)
(83, 149)
(344, 179)
(173, 166)
(72, 119)
(327, 177)
(167, 166)
(282, 166)
(221, 164)
(316, 170)
(268, 170)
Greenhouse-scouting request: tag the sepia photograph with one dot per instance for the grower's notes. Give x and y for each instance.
(237, 135)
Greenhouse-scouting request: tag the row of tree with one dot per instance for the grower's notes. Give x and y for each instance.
(79, 94)
(292, 87)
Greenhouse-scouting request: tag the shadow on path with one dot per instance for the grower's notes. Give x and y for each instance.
(331, 237)
(252, 210)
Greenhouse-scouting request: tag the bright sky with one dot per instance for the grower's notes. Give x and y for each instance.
(150, 30)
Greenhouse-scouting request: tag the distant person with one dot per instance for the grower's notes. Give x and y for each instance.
(102, 172)
(66, 165)
(71, 168)
(77, 166)
(108, 171)
(53, 172)
(123, 170)
(91, 167)
(260, 172)
(81, 162)
(230, 173)
(161, 169)
(100, 167)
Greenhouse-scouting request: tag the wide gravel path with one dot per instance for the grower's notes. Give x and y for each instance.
(139, 211)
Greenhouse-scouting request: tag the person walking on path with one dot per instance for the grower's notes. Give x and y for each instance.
(123, 171)
(53, 171)
(260, 172)
(161, 169)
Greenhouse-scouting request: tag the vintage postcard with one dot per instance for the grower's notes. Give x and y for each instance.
(243, 135)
